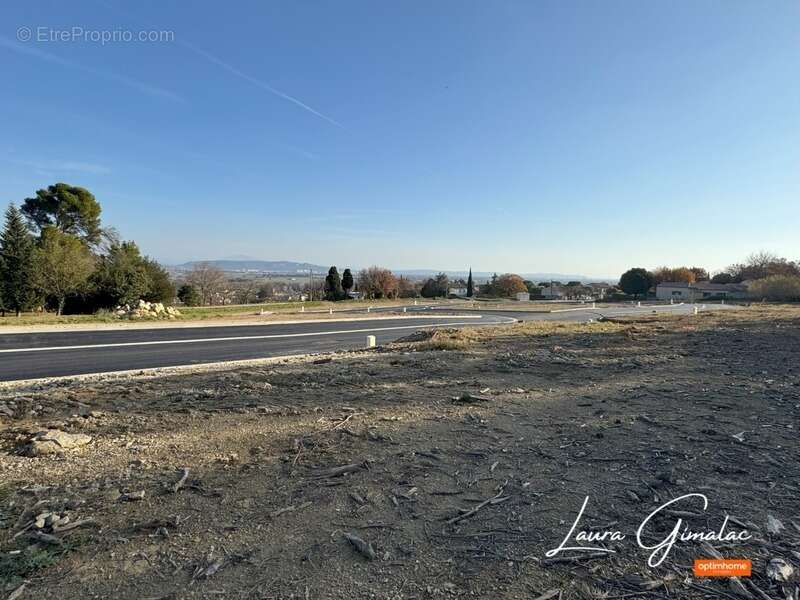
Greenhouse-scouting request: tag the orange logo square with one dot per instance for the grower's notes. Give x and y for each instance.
(722, 567)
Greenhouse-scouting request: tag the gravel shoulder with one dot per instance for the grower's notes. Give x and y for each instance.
(445, 465)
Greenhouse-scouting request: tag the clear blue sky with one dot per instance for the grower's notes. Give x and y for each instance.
(511, 136)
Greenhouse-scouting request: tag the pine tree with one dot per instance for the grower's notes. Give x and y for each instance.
(17, 263)
(470, 285)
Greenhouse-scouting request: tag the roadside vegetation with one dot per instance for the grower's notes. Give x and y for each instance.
(59, 264)
(55, 255)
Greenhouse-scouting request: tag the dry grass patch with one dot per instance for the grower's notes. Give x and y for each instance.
(442, 339)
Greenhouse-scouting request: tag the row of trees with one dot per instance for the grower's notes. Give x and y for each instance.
(55, 253)
(760, 265)
(374, 283)
(378, 282)
(685, 274)
(772, 277)
(206, 284)
(338, 287)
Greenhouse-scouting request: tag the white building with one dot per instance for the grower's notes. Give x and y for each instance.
(681, 291)
(461, 292)
(523, 296)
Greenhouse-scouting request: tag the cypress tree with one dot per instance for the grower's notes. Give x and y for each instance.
(347, 282)
(333, 285)
(470, 285)
(17, 263)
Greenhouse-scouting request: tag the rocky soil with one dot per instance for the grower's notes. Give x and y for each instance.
(441, 467)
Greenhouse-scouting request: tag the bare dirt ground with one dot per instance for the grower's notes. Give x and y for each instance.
(436, 468)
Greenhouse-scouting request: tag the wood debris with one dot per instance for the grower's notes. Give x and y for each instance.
(362, 547)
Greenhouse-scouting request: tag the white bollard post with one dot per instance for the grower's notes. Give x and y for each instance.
(370, 341)
(638, 303)
(594, 304)
(404, 309)
(302, 309)
(368, 308)
(695, 310)
(723, 301)
(415, 302)
(330, 311)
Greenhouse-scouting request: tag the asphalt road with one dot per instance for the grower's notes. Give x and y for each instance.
(52, 354)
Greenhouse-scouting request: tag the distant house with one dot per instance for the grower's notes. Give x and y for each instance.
(552, 292)
(682, 291)
(460, 292)
(578, 292)
(598, 289)
(523, 296)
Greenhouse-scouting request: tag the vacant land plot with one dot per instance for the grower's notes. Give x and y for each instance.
(445, 466)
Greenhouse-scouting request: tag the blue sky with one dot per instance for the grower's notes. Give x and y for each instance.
(512, 136)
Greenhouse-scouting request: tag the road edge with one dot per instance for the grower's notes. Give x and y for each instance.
(157, 372)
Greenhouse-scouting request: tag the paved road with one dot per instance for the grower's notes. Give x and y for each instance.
(52, 354)
(35, 355)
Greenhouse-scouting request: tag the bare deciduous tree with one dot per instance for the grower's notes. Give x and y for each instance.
(207, 280)
(246, 291)
(763, 264)
(406, 288)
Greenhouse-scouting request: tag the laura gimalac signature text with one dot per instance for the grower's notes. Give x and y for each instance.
(659, 550)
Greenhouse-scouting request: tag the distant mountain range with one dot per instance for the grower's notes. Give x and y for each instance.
(287, 267)
(258, 266)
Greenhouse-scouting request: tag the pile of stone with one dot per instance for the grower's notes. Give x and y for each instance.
(54, 441)
(146, 310)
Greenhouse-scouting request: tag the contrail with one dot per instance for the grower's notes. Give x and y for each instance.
(233, 70)
(41, 54)
(259, 83)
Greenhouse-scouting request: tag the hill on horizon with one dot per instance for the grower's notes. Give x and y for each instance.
(262, 266)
